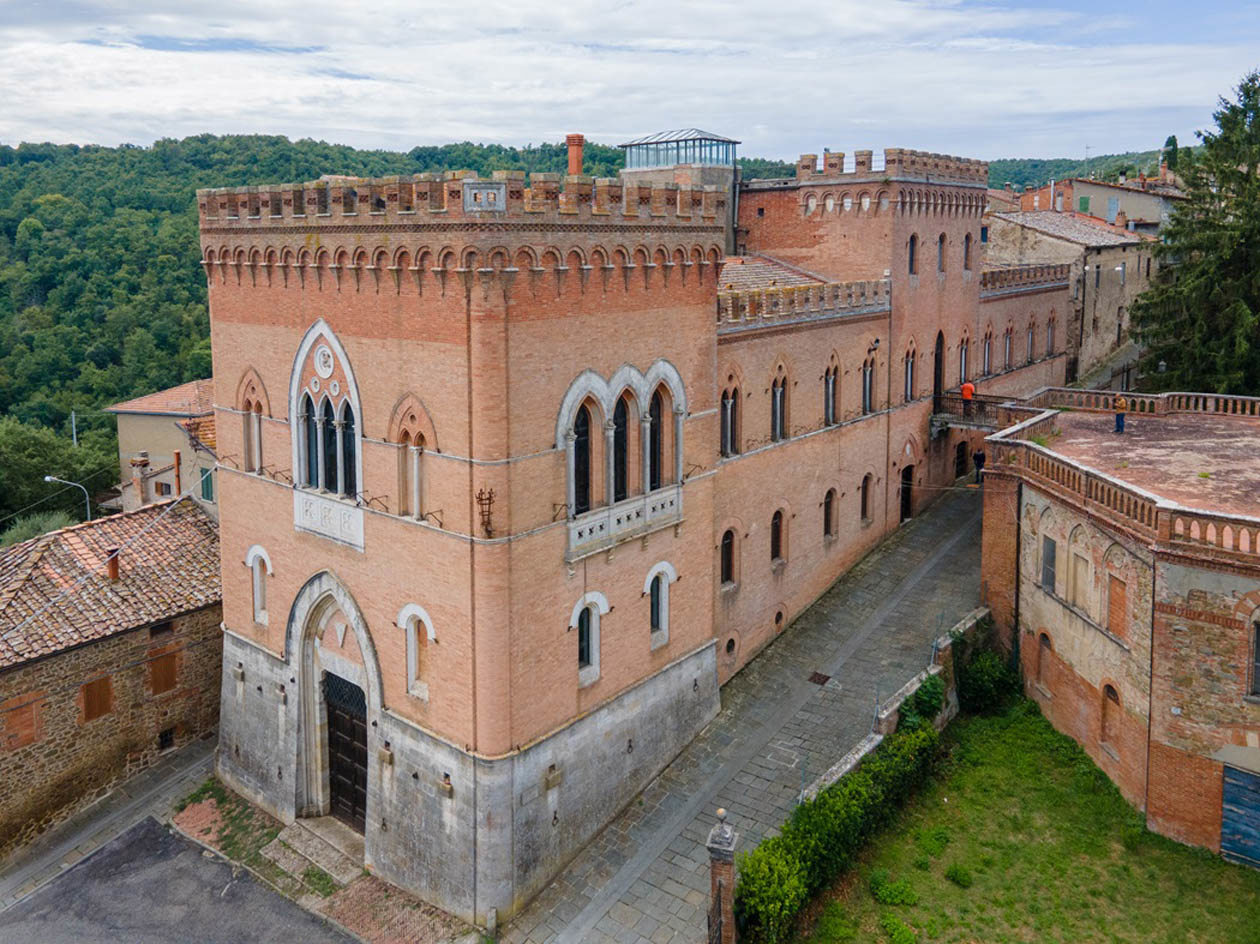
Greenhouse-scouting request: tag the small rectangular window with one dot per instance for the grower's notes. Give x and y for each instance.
(162, 673)
(1049, 555)
(166, 739)
(162, 488)
(1116, 606)
(161, 630)
(97, 698)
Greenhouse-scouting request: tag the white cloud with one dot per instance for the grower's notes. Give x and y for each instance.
(976, 79)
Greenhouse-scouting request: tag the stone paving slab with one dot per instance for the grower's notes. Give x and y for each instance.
(645, 878)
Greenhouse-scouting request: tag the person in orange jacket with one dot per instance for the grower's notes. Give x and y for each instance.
(1122, 407)
(968, 391)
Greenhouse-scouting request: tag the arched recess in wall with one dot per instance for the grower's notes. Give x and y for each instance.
(322, 379)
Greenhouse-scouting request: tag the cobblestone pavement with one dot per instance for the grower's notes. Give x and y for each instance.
(645, 878)
(150, 793)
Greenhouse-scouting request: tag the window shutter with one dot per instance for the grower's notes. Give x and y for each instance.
(96, 699)
(162, 673)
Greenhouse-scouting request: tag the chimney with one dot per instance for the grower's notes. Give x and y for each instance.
(1123, 178)
(179, 489)
(575, 142)
(139, 468)
(1122, 219)
(111, 563)
(1163, 171)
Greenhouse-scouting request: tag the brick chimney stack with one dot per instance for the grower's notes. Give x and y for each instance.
(575, 143)
(111, 563)
(179, 485)
(139, 467)
(1122, 219)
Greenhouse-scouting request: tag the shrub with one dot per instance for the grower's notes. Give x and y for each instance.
(771, 890)
(897, 930)
(823, 836)
(934, 841)
(987, 683)
(923, 862)
(925, 704)
(960, 875)
(888, 892)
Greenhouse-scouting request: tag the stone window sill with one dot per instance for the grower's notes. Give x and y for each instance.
(731, 586)
(829, 540)
(660, 637)
(419, 690)
(588, 676)
(1109, 750)
(778, 565)
(1043, 691)
(1252, 699)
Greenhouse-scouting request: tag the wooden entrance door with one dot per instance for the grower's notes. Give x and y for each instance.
(347, 750)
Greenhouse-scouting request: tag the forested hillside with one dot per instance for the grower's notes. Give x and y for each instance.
(102, 297)
(1034, 172)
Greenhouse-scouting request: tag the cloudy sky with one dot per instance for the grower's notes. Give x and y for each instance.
(1002, 78)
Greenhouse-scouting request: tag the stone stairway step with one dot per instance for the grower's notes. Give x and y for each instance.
(286, 857)
(320, 852)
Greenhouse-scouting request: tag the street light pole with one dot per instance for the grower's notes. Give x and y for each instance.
(87, 499)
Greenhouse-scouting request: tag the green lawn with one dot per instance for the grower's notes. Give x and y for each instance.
(1038, 847)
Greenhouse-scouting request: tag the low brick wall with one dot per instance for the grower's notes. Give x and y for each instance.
(53, 762)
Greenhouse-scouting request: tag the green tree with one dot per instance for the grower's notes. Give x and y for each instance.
(32, 526)
(31, 452)
(1200, 323)
(1170, 152)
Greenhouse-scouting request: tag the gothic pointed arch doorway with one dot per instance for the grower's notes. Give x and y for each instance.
(339, 692)
(938, 372)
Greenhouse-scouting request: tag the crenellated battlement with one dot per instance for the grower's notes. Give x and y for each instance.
(459, 195)
(1002, 281)
(897, 163)
(789, 304)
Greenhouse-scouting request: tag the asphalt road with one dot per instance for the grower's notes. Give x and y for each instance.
(152, 886)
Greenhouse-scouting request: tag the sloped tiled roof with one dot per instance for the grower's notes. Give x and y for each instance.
(55, 592)
(195, 398)
(202, 431)
(1073, 227)
(741, 273)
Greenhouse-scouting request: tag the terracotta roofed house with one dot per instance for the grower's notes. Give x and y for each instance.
(109, 655)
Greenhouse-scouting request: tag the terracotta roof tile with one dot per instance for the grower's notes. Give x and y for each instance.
(195, 398)
(1074, 227)
(55, 592)
(742, 273)
(202, 431)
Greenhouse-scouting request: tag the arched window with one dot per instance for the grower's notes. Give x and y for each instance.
(582, 460)
(310, 443)
(913, 255)
(868, 386)
(776, 537)
(349, 487)
(1043, 658)
(621, 450)
(866, 497)
(656, 450)
(585, 619)
(1032, 336)
(251, 417)
(1006, 353)
(659, 578)
(967, 252)
(778, 409)
(1081, 574)
(1050, 337)
(988, 353)
(829, 396)
(962, 361)
(730, 422)
(415, 622)
(940, 253)
(909, 375)
(1110, 716)
(410, 475)
(328, 437)
(728, 556)
(259, 565)
(829, 514)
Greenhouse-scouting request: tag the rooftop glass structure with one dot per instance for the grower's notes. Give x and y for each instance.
(684, 146)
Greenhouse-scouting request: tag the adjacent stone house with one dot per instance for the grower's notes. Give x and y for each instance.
(110, 654)
(1125, 569)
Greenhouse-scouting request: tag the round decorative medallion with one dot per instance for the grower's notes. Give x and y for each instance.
(314, 385)
(334, 388)
(324, 361)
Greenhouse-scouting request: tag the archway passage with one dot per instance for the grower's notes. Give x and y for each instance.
(938, 372)
(347, 750)
(907, 493)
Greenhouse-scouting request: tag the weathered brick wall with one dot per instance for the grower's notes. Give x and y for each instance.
(53, 763)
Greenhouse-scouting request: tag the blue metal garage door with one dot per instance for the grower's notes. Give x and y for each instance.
(1240, 817)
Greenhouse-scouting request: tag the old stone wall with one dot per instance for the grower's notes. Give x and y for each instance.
(53, 762)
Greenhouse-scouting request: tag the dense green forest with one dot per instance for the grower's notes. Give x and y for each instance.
(1034, 172)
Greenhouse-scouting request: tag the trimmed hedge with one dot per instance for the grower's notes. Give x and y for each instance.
(823, 836)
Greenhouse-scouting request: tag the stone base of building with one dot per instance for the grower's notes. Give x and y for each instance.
(473, 835)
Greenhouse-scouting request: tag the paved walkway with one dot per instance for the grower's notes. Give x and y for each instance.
(645, 878)
(150, 793)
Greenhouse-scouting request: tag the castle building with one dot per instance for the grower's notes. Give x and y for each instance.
(512, 478)
(1126, 570)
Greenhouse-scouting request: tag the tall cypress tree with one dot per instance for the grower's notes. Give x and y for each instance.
(1201, 321)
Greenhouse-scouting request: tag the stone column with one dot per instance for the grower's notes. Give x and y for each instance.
(413, 456)
(721, 845)
(610, 464)
(645, 437)
(679, 416)
(319, 453)
(339, 458)
(570, 438)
